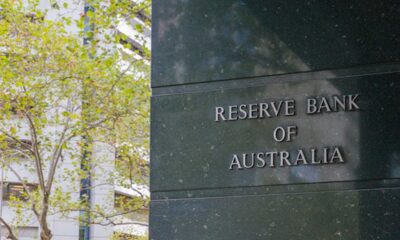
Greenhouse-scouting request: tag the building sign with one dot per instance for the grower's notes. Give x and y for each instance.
(287, 108)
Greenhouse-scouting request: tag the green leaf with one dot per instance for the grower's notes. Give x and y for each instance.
(65, 114)
(90, 14)
(139, 28)
(13, 130)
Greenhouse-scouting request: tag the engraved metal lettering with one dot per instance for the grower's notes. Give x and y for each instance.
(272, 159)
(282, 159)
(279, 134)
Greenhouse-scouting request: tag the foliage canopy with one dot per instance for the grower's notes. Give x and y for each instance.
(61, 98)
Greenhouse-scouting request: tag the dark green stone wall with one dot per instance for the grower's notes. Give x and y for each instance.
(228, 52)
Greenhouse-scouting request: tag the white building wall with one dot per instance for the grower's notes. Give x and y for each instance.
(103, 191)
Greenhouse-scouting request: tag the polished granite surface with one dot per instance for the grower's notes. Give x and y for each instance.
(190, 150)
(209, 54)
(199, 41)
(349, 215)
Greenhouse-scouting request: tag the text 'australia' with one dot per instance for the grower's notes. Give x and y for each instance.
(272, 159)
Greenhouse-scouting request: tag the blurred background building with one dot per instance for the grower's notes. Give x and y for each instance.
(135, 40)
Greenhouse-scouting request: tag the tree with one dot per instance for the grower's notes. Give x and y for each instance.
(59, 98)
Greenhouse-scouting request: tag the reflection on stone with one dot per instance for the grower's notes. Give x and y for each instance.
(194, 41)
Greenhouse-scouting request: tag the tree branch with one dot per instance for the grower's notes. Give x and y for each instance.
(106, 219)
(26, 188)
(56, 156)
(38, 160)
(11, 234)
(24, 145)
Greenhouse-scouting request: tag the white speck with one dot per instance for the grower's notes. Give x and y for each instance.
(272, 224)
(338, 234)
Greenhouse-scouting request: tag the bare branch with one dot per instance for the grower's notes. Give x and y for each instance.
(56, 156)
(11, 234)
(20, 179)
(105, 219)
(122, 74)
(36, 152)
(26, 188)
(24, 145)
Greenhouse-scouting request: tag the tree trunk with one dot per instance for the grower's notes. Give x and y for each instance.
(45, 233)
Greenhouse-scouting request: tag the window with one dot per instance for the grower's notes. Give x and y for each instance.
(23, 145)
(131, 46)
(16, 190)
